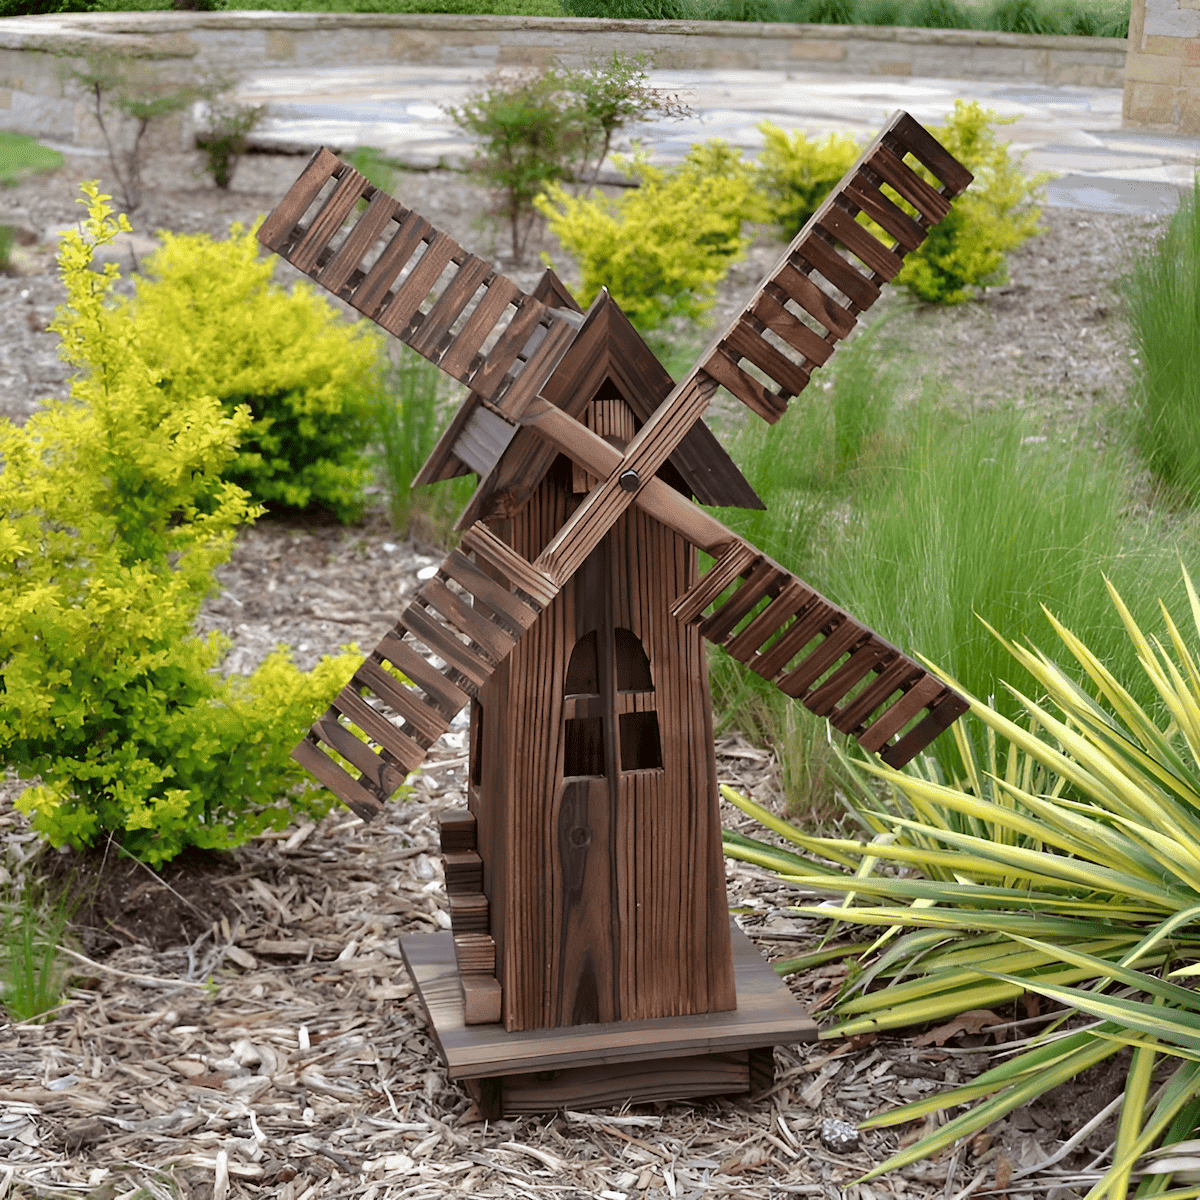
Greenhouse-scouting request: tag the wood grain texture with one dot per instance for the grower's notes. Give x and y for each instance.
(613, 901)
(766, 1014)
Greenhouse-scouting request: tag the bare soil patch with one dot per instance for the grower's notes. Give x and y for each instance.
(243, 1026)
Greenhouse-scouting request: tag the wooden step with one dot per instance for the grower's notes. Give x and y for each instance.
(456, 829)
(475, 953)
(468, 912)
(390, 265)
(815, 652)
(464, 871)
(834, 267)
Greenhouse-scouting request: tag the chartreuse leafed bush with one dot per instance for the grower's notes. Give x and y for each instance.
(660, 248)
(1064, 861)
(114, 511)
(965, 251)
(304, 374)
(1162, 297)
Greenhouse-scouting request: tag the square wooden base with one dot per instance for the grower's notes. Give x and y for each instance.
(591, 1066)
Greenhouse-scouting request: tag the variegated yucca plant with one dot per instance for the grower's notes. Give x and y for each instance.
(1065, 862)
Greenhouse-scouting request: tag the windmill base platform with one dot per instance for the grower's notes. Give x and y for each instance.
(594, 1066)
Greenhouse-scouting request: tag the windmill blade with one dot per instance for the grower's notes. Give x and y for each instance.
(791, 325)
(458, 628)
(818, 654)
(786, 631)
(419, 284)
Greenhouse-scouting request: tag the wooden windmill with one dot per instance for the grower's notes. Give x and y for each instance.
(592, 958)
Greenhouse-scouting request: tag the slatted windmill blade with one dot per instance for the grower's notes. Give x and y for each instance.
(418, 283)
(817, 653)
(449, 639)
(834, 268)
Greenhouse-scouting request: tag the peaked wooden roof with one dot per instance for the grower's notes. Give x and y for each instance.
(607, 347)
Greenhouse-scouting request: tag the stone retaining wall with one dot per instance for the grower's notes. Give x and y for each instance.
(1162, 89)
(185, 46)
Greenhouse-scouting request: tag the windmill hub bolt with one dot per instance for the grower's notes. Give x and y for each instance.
(630, 481)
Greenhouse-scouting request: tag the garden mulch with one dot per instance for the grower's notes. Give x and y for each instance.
(243, 1026)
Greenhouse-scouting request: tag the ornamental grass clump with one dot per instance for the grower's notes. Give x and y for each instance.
(1162, 298)
(1063, 861)
(114, 511)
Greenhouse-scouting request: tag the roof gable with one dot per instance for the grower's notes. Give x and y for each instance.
(606, 347)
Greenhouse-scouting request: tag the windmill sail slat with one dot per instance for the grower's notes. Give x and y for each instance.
(762, 578)
(500, 600)
(842, 226)
(793, 331)
(407, 752)
(844, 639)
(738, 558)
(276, 231)
(383, 775)
(747, 389)
(922, 145)
(425, 721)
(449, 307)
(792, 597)
(328, 221)
(319, 765)
(337, 271)
(794, 283)
(460, 355)
(439, 637)
(884, 213)
(897, 675)
(866, 658)
(942, 714)
(490, 639)
(743, 341)
(449, 698)
(411, 294)
(823, 258)
(503, 355)
(922, 693)
(816, 617)
(537, 585)
(930, 203)
(532, 375)
(372, 291)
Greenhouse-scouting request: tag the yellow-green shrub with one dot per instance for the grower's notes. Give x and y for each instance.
(113, 513)
(662, 247)
(967, 250)
(206, 315)
(794, 173)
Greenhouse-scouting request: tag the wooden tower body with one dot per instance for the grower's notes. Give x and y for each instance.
(593, 777)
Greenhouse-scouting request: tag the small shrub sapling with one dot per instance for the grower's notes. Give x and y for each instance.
(662, 247)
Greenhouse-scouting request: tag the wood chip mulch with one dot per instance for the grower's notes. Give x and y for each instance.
(279, 1050)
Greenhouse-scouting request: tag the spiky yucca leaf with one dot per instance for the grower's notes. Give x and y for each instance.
(1066, 864)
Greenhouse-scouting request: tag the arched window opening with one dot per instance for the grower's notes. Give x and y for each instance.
(583, 671)
(633, 667)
